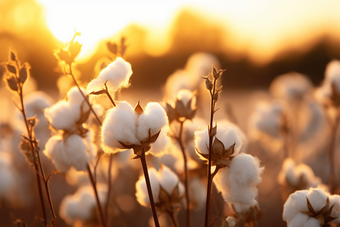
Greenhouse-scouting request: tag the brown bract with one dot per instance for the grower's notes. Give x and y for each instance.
(249, 217)
(220, 156)
(169, 203)
(324, 215)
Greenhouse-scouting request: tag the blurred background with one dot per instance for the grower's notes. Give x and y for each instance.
(255, 40)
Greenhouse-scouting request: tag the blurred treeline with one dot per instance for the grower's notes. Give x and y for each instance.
(23, 29)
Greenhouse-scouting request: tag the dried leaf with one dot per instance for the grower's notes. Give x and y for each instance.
(13, 56)
(12, 83)
(112, 47)
(11, 68)
(24, 72)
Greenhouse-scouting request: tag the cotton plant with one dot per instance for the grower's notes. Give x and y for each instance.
(198, 65)
(311, 208)
(328, 94)
(183, 109)
(268, 124)
(81, 206)
(293, 177)
(167, 190)
(16, 77)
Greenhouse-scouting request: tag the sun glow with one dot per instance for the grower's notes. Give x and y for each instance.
(260, 29)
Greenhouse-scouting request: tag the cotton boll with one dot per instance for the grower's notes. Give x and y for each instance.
(180, 79)
(299, 220)
(7, 180)
(153, 119)
(202, 141)
(332, 73)
(312, 222)
(117, 74)
(119, 125)
(197, 192)
(295, 203)
(168, 179)
(199, 64)
(335, 200)
(68, 153)
(290, 86)
(141, 189)
(81, 206)
(266, 119)
(163, 143)
(317, 198)
(64, 114)
(185, 95)
(238, 183)
(229, 134)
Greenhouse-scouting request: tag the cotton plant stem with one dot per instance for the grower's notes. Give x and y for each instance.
(334, 128)
(212, 110)
(99, 209)
(108, 193)
(23, 112)
(148, 185)
(86, 100)
(173, 219)
(186, 185)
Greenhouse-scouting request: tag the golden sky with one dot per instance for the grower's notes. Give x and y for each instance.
(259, 28)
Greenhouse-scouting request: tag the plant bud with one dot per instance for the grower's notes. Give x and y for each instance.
(25, 149)
(12, 83)
(214, 73)
(32, 121)
(11, 69)
(13, 57)
(208, 84)
(216, 96)
(23, 73)
(112, 47)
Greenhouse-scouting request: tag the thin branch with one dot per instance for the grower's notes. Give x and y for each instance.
(148, 185)
(23, 112)
(180, 141)
(99, 209)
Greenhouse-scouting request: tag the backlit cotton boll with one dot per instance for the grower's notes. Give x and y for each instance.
(6, 175)
(297, 177)
(297, 212)
(167, 191)
(332, 73)
(117, 74)
(227, 144)
(67, 153)
(238, 183)
(65, 114)
(81, 206)
(123, 125)
(267, 119)
(290, 86)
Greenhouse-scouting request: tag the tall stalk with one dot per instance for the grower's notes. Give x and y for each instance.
(148, 185)
(211, 137)
(19, 72)
(186, 185)
(332, 144)
(99, 210)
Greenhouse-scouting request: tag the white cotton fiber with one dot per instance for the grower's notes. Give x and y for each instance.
(153, 119)
(163, 143)
(238, 183)
(117, 74)
(68, 153)
(168, 179)
(119, 125)
(141, 189)
(64, 114)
